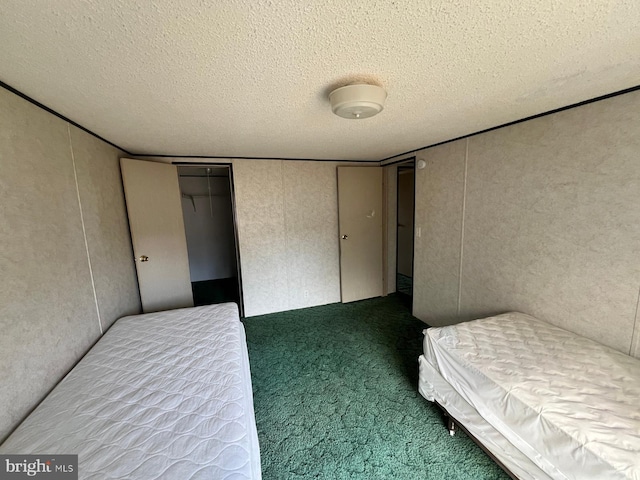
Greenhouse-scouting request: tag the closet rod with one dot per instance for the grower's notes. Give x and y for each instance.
(203, 176)
(205, 195)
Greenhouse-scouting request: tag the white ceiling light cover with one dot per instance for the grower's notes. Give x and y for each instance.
(357, 101)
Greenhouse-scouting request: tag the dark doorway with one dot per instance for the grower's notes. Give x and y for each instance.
(405, 216)
(208, 212)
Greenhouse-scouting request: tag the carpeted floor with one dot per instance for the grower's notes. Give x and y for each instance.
(404, 284)
(335, 392)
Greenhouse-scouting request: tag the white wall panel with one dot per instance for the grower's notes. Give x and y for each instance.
(311, 228)
(439, 204)
(553, 220)
(288, 233)
(106, 226)
(48, 304)
(263, 254)
(551, 223)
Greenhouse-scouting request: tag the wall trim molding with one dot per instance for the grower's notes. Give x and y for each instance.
(508, 124)
(59, 115)
(378, 162)
(221, 157)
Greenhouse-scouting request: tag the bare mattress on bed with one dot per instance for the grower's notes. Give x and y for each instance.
(161, 395)
(569, 405)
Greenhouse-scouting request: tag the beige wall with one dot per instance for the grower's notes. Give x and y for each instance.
(106, 226)
(287, 217)
(541, 217)
(439, 199)
(65, 254)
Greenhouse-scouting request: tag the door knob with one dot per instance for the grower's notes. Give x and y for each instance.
(344, 237)
(143, 258)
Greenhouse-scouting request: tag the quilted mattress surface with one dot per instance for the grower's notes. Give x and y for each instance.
(161, 395)
(569, 404)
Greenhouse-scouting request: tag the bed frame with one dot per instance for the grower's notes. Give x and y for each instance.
(502, 381)
(454, 425)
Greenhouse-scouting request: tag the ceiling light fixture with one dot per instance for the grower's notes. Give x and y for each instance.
(357, 101)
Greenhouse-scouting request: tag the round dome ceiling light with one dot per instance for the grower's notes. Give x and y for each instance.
(357, 101)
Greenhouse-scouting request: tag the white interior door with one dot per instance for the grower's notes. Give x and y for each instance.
(157, 231)
(360, 219)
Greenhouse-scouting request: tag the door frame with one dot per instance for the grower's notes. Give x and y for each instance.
(234, 216)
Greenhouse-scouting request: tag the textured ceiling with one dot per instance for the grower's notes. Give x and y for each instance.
(251, 77)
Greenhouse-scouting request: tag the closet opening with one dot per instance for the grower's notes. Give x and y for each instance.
(405, 230)
(209, 220)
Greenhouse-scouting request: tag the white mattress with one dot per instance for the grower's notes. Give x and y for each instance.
(161, 395)
(571, 405)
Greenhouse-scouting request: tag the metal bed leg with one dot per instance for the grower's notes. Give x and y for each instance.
(451, 426)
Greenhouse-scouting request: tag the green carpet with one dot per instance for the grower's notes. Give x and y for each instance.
(404, 284)
(335, 392)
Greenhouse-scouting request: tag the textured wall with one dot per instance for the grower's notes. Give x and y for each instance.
(48, 305)
(551, 223)
(261, 235)
(106, 226)
(311, 233)
(439, 205)
(287, 226)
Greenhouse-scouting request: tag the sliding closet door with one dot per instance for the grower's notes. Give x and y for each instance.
(157, 231)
